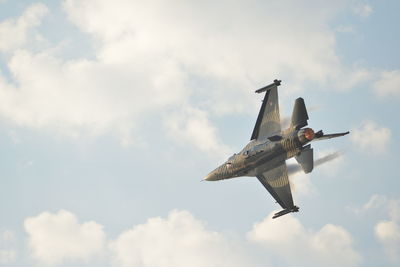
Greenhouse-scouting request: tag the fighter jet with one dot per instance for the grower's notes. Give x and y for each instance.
(265, 155)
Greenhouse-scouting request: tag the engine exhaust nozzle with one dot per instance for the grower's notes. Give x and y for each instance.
(306, 135)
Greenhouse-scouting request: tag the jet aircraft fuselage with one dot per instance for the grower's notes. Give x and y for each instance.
(259, 156)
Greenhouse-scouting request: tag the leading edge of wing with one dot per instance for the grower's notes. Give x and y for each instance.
(256, 129)
(264, 127)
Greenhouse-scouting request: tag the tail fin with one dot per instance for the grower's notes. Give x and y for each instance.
(299, 115)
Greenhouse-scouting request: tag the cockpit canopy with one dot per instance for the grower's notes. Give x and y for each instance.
(231, 158)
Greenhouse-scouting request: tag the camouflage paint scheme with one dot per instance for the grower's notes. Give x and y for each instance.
(265, 155)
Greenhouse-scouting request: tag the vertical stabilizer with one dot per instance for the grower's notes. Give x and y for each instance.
(299, 115)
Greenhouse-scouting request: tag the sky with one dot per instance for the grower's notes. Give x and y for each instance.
(112, 112)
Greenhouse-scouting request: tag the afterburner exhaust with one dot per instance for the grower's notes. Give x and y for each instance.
(306, 135)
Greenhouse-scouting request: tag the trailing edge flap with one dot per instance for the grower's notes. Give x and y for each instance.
(306, 159)
(276, 181)
(268, 121)
(299, 115)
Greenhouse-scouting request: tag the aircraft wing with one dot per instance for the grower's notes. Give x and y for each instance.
(276, 181)
(268, 121)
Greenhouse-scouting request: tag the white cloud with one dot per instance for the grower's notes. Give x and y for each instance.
(178, 240)
(375, 202)
(390, 206)
(394, 209)
(387, 232)
(206, 41)
(330, 246)
(83, 96)
(371, 137)
(59, 237)
(300, 184)
(356, 76)
(363, 10)
(329, 161)
(193, 126)
(7, 253)
(182, 240)
(7, 256)
(388, 83)
(7, 236)
(155, 58)
(14, 32)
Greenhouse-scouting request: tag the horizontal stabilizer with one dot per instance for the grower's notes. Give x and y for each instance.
(299, 115)
(306, 159)
(285, 211)
(321, 136)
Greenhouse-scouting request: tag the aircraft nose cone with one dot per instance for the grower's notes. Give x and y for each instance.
(210, 177)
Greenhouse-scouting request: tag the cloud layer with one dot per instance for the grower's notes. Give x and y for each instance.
(388, 83)
(14, 32)
(59, 237)
(388, 231)
(330, 246)
(153, 60)
(178, 240)
(8, 253)
(371, 137)
(181, 240)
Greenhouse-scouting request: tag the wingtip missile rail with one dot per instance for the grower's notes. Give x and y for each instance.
(265, 88)
(285, 211)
